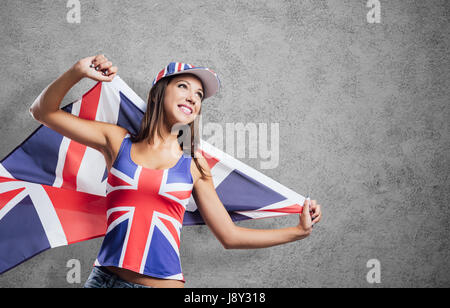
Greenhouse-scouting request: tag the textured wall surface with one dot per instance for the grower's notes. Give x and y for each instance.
(363, 111)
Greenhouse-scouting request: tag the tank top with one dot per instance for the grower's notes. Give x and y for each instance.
(145, 210)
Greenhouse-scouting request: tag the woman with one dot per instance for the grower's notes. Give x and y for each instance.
(147, 160)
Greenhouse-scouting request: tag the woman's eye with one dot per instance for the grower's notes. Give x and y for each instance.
(182, 85)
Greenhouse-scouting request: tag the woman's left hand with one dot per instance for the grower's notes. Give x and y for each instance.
(316, 212)
(310, 215)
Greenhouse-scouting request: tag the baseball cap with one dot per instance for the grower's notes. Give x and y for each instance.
(208, 77)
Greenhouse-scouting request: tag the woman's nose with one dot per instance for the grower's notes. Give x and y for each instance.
(191, 98)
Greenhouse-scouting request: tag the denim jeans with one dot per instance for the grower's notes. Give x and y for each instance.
(100, 277)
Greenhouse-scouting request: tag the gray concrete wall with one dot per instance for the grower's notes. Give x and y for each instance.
(363, 113)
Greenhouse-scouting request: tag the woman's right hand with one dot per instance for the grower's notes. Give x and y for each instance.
(97, 68)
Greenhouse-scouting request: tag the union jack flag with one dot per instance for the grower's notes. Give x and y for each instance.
(53, 190)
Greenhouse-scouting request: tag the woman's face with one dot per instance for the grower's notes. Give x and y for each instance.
(183, 99)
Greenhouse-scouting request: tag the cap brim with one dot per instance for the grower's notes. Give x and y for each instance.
(211, 82)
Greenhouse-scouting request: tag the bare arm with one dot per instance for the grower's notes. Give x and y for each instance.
(46, 108)
(236, 237)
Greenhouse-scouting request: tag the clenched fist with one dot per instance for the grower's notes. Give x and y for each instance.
(97, 68)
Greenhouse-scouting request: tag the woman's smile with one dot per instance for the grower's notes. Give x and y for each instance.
(185, 109)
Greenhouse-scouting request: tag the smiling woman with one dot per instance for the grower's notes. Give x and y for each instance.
(175, 100)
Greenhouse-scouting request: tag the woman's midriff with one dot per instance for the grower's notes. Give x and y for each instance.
(133, 277)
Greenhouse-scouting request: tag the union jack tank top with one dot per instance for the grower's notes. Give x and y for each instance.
(145, 210)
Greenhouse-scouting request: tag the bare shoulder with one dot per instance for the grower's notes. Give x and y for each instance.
(114, 136)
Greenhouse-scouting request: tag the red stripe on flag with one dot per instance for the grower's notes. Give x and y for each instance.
(82, 215)
(75, 151)
(74, 155)
(115, 215)
(8, 196)
(171, 229)
(292, 209)
(211, 160)
(3, 180)
(180, 194)
(116, 181)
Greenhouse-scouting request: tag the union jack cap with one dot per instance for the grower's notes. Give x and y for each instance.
(208, 77)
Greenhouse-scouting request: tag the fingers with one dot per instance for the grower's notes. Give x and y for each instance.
(316, 212)
(109, 71)
(311, 214)
(105, 67)
(305, 216)
(101, 63)
(306, 206)
(99, 59)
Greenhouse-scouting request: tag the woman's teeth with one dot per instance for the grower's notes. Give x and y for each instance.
(186, 110)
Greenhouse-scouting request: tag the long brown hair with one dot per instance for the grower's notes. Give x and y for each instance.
(154, 119)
